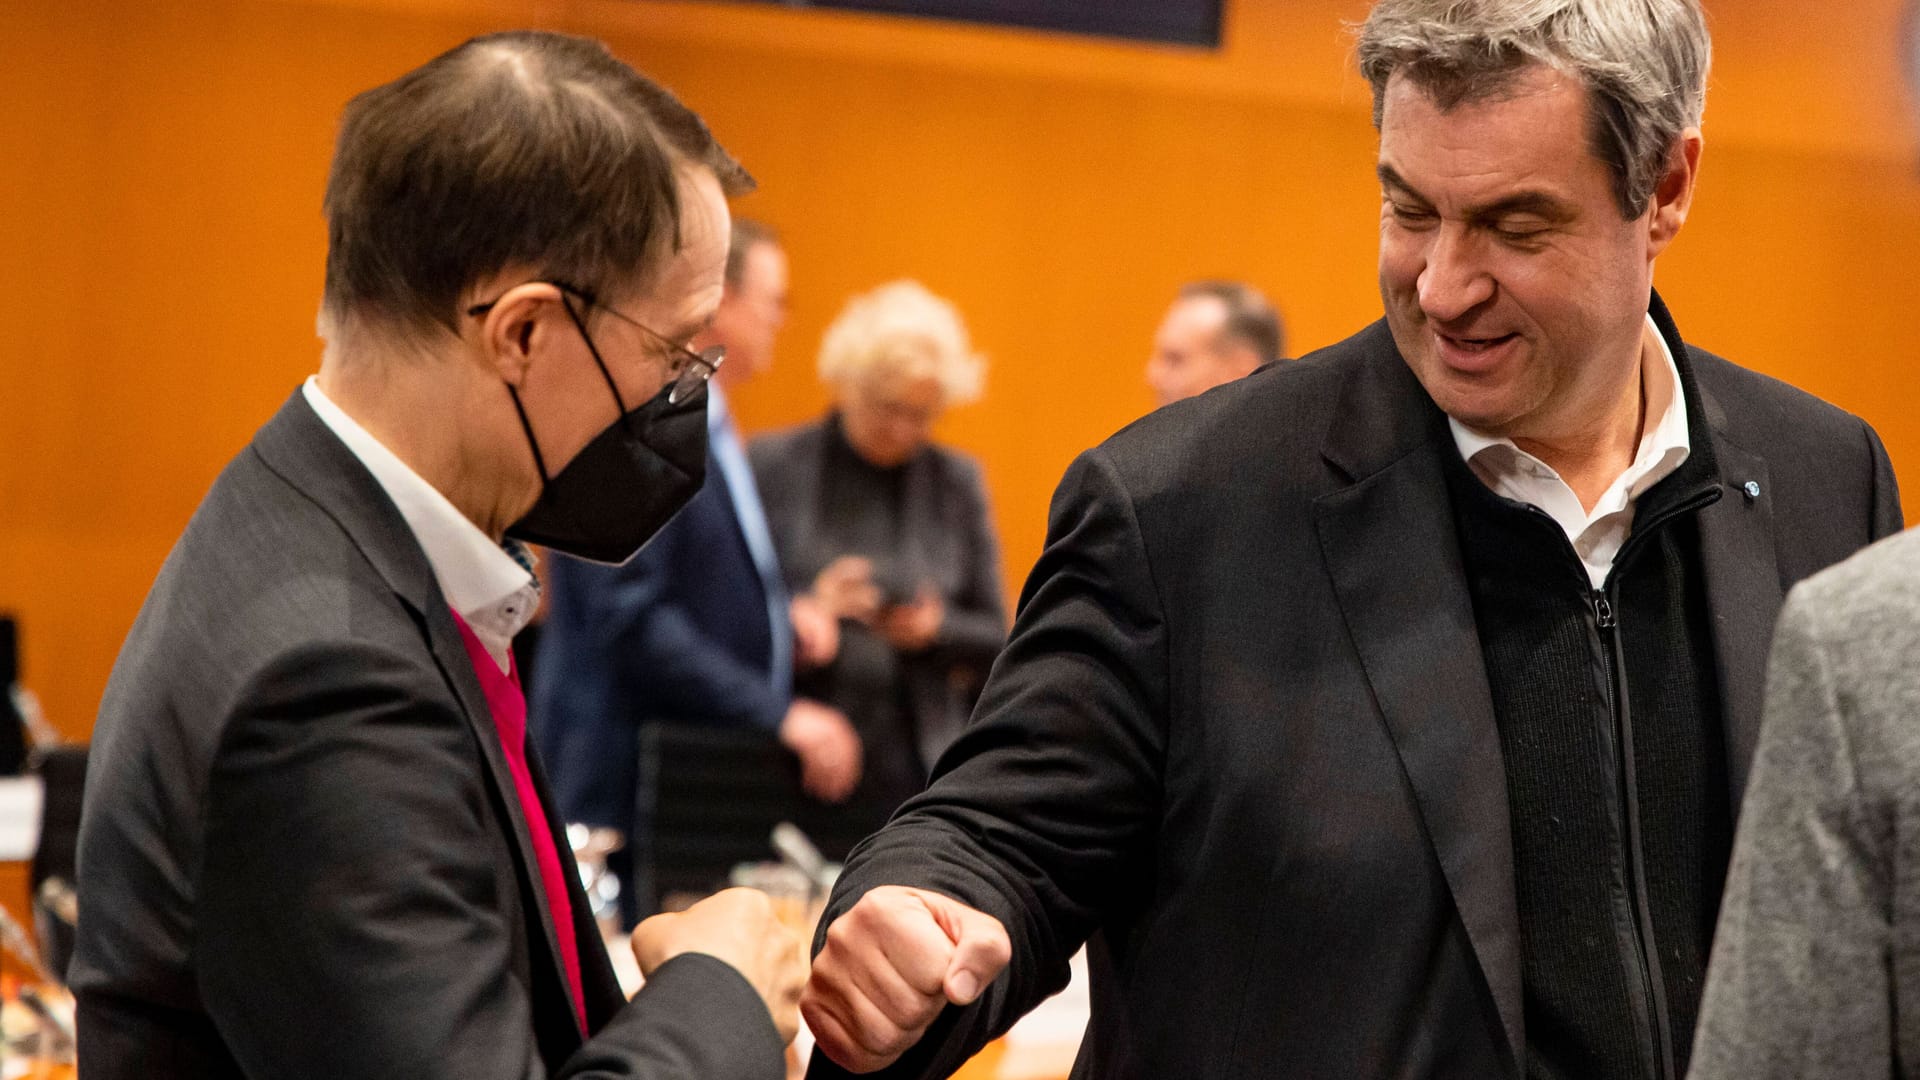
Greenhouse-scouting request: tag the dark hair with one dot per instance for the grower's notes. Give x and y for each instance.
(1251, 318)
(747, 234)
(522, 147)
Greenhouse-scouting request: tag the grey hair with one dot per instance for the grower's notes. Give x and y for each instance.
(1644, 63)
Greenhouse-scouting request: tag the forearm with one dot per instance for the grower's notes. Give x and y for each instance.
(1042, 811)
(695, 1019)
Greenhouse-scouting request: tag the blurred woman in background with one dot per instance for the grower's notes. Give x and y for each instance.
(885, 541)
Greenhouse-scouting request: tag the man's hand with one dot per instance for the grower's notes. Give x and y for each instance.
(846, 590)
(737, 927)
(816, 632)
(890, 965)
(827, 746)
(911, 628)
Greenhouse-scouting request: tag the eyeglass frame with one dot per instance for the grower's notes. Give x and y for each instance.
(695, 367)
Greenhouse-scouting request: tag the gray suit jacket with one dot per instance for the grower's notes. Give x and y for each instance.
(301, 852)
(1241, 735)
(1816, 964)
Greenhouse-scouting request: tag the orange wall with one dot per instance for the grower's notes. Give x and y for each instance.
(161, 167)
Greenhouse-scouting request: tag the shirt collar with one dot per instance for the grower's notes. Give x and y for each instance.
(1670, 440)
(1664, 444)
(487, 585)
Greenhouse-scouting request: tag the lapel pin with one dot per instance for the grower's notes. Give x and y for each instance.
(1752, 488)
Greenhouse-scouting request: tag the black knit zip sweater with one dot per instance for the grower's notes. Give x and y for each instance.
(1611, 735)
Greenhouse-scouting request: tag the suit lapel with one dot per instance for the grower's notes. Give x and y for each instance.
(1744, 594)
(299, 446)
(450, 653)
(597, 979)
(1389, 545)
(1738, 560)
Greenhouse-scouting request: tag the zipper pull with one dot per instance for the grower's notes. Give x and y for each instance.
(1603, 611)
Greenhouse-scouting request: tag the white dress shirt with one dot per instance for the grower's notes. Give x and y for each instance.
(490, 589)
(1597, 534)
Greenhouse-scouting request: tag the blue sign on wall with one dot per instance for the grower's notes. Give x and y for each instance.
(1183, 22)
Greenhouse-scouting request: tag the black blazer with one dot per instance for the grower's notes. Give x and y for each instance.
(1243, 731)
(300, 853)
(945, 532)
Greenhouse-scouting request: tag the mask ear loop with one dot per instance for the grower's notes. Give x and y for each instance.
(580, 324)
(532, 443)
(539, 460)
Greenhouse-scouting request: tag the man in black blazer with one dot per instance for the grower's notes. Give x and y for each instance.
(1385, 714)
(315, 842)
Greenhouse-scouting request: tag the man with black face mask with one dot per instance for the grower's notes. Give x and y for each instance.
(316, 842)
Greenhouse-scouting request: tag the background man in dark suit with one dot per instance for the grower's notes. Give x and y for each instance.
(1385, 714)
(315, 842)
(695, 629)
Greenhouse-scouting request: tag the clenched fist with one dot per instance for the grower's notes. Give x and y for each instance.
(738, 927)
(890, 965)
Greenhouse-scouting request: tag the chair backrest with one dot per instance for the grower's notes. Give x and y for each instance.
(63, 774)
(709, 799)
(63, 771)
(13, 728)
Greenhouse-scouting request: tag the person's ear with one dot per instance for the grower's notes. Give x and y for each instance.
(1673, 196)
(524, 325)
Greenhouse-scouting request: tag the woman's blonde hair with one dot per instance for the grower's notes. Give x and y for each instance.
(902, 328)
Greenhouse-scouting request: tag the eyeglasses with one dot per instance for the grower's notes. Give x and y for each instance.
(691, 369)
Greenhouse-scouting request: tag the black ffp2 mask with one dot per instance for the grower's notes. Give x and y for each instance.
(625, 485)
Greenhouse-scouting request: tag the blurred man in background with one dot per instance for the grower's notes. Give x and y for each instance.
(316, 845)
(697, 629)
(1215, 332)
